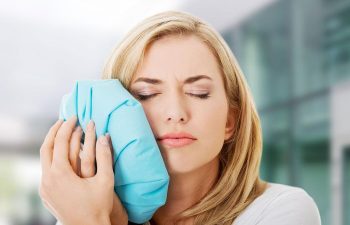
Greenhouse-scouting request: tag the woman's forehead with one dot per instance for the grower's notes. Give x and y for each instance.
(181, 57)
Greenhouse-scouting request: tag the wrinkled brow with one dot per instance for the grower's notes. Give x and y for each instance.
(187, 81)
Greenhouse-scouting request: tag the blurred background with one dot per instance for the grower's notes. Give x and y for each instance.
(295, 55)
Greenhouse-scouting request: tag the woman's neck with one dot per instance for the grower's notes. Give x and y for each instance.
(185, 190)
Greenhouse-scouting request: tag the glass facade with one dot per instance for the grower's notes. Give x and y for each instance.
(346, 172)
(292, 53)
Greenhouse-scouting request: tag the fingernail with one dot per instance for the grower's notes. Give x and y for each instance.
(103, 140)
(73, 117)
(59, 121)
(78, 129)
(91, 125)
(108, 137)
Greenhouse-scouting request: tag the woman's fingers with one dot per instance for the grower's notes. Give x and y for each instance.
(75, 149)
(104, 159)
(47, 146)
(61, 190)
(87, 157)
(62, 140)
(108, 136)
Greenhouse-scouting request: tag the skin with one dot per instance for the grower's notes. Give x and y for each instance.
(174, 107)
(73, 195)
(60, 183)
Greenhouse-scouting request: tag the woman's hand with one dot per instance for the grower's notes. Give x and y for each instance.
(84, 166)
(73, 199)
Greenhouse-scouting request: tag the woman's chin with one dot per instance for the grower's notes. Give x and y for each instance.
(178, 171)
(182, 160)
(177, 167)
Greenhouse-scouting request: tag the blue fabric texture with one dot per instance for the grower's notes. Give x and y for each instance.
(141, 178)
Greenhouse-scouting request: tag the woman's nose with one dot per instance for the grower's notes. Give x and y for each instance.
(176, 111)
(176, 119)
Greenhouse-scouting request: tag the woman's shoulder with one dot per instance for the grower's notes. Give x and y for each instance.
(281, 204)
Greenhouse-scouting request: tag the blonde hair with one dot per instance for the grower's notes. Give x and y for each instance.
(238, 183)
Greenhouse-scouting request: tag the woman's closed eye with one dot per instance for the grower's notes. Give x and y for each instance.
(143, 97)
(201, 96)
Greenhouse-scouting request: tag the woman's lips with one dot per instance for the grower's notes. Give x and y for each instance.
(176, 142)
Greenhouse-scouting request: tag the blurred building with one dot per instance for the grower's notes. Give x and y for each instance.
(295, 55)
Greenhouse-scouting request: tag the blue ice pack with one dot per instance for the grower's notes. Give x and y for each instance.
(141, 178)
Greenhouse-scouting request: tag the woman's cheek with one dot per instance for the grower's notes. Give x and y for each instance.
(215, 126)
(148, 113)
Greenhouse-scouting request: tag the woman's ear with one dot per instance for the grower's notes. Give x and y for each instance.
(230, 123)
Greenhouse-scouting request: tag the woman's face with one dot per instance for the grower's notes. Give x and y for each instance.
(181, 90)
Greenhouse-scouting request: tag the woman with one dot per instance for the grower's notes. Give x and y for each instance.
(189, 84)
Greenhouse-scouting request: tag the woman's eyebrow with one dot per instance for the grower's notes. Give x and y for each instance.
(187, 81)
